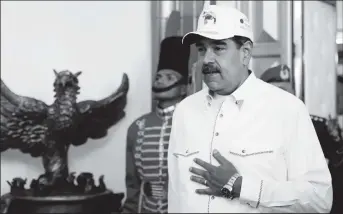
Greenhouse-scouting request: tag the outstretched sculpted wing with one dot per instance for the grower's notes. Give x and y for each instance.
(22, 122)
(98, 116)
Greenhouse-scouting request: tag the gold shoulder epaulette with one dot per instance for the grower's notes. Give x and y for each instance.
(317, 118)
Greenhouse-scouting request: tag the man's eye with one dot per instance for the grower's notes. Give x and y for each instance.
(219, 48)
(201, 49)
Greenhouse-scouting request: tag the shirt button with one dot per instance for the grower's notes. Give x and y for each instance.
(221, 115)
(217, 133)
(243, 151)
(212, 197)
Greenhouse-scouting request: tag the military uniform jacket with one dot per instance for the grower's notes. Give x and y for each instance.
(146, 163)
(329, 144)
(332, 148)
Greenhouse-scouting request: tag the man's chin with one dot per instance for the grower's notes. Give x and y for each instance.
(213, 86)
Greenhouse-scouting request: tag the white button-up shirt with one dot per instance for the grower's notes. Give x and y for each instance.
(269, 137)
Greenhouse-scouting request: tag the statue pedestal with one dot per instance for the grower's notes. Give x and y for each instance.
(100, 203)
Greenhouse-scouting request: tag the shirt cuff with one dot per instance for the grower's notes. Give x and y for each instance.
(251, 191)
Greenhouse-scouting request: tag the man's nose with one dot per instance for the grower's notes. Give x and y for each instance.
(209, 56)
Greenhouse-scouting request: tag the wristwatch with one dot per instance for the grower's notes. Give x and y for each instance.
(227, 188)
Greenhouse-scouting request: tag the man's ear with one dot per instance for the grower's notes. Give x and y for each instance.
(247, 52)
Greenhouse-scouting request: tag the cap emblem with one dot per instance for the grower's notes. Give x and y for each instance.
(209, 17)
(284, 73)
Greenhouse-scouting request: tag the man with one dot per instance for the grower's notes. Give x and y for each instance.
(241, 145)
(148, 136)
(328, 132)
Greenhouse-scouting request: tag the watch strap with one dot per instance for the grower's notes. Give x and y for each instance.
(227, 189)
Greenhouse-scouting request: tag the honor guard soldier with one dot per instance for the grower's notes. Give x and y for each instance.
(148, 136)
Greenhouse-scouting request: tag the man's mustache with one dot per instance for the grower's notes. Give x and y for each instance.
(210, 69)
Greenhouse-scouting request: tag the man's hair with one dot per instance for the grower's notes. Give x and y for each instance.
(240, 41)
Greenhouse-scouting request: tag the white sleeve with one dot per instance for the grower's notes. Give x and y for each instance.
(308, 188)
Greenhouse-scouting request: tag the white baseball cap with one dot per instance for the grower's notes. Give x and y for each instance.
(220, 22)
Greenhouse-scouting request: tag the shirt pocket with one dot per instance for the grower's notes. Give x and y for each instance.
(185, 153)
(263, 160)
(257, 152)
(184, 159)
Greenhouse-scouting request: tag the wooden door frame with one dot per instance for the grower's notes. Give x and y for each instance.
(298, 53)
(155, 42)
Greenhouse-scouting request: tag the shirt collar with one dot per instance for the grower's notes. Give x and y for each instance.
(240, 94)
(165, 112)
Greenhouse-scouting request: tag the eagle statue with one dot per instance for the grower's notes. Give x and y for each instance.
(47, 131)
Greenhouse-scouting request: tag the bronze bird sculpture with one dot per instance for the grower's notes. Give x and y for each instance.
(47, 131)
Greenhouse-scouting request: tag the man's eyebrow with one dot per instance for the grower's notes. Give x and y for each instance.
(214, 42)
(218, 43)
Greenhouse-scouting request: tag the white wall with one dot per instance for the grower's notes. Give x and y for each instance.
(339, 8)
(103, 39)
(319, 58)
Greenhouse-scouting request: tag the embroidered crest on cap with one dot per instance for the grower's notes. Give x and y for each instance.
(244, 23)
(284, 73)
(209, 17)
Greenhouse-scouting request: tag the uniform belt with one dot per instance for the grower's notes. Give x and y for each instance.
(157, 191)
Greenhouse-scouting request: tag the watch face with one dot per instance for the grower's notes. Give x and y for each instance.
(226, 193)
